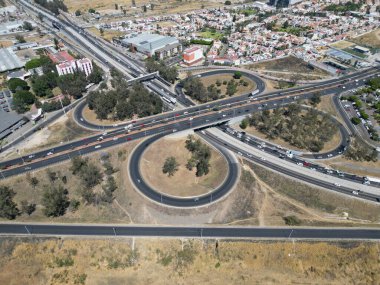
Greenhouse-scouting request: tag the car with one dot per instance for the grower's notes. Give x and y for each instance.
(190, 119)
(27, 168)
(329, 155)
(115, 125)
(31, 156)
(263, 158)
(98, 146)
(174, 130)
(355, 192)
(81, 119)
(99, 138)
(115, 138)
(249, 155)
(105, 133)
(299, 163)
(337, 184)
(49, 153)
(239, 153)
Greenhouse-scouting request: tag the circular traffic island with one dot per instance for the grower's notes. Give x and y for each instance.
(183, 182)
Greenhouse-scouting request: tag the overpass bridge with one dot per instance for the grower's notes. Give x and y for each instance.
(143, 77)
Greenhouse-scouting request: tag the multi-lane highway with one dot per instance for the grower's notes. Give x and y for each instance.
(207, 232)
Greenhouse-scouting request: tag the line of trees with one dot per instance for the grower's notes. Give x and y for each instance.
(201, 155)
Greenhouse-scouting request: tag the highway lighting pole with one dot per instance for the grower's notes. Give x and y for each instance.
(2, 175)
(114, 231)
(63, 109)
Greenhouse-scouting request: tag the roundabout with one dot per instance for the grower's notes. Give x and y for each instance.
(157, 196)
(184, 182)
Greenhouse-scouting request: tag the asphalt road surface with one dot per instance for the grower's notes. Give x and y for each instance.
(190, 232)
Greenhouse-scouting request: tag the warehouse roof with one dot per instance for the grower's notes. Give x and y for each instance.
(9, 60)
(150, 42)
(7, 121)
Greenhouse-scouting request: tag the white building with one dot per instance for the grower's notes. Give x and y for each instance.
(84, 65)
(192, 55)
(69, 67)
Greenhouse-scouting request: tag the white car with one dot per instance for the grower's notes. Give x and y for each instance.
(98, 146)
(337, 184)
(49, 153)
(299, 163)
(355, 192)
(115, 138)
(263, 158)
(239, 153)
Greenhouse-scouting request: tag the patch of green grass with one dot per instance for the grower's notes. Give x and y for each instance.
(356, 53)
(208, 34)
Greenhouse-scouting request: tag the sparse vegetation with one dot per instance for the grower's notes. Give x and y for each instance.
(168, 73)
(292, 221)
(305, 129)
(55, 200)
(360, 151)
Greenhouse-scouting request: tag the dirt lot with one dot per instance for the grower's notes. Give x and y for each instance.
(108, 34)
(342, 44)
(288, 64)
(160, 7)
(207, 81)
(185, 261)
(90, 116)
(371, 39)
(184, 183)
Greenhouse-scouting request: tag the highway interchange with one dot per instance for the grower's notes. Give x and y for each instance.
(194, 117)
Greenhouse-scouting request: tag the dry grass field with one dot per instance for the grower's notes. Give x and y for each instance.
(288, 64)
(342, 44)
(207, 81)
(183, 183)
(108, 35)
(371, 39)
(187, 261)
(160, 6)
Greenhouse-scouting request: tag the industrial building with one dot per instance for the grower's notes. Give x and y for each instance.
(153, 45)
(9, 122)
(192, 55)
(9, 60)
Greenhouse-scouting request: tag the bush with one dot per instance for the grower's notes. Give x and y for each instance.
(244, 124)
(355, 121)
(227, 2)
(292, 221)
(237, 75)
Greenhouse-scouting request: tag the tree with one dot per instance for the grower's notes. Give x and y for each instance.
(170, 166)
(144, 8)
(285, 25)
(78, 13)
(116, 6)
(133, 3)
(27, 208)
(17, 83)
(228, 2)
(20, 39)
(91, 11)
(77, 163)
(237, 75)
(56, 43)
(316, 99)
(96, 75)
(355, 120)
(55, 200)
(90, 175)
(101, 32)
(33, 181)
(40, 16)
(22, 99)
(27, 26)
(8, 208)
(244, 124)
(108, 189)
